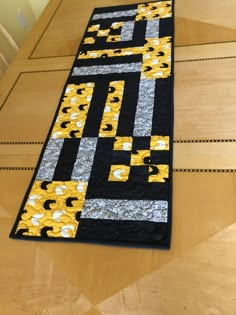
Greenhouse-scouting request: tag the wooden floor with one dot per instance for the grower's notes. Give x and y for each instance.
(198, 275)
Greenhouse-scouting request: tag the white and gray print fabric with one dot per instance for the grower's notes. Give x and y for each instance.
(114, 209)
(50, 159)
(111, 15)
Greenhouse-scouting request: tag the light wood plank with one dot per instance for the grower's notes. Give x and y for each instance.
(42, 283)
(204, 100)
(191, 31)
(18, 161)
(17, 150)
(208, 11)
(205, 51)
(200, 282)
(29, 110)
(205, 155)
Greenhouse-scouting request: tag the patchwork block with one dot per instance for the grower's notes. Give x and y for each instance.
(105, 173)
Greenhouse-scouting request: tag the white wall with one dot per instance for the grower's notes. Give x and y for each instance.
(38, 6)
(31, 10)
(8, 18)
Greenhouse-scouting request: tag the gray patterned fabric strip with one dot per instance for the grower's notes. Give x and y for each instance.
(111, 15)
(113, 209)
(144, 111)
(127, 31)
(106, 69)
(152, 29)
(50, 158)
(84, 160)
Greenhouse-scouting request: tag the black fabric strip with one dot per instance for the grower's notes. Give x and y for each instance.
(115, 8)
(139, 33)
(166, 27)
(162, 110)
(66, 160)
(102, 159)
(116, 19)
(114, 45)
(108, 61)
(96, 109)
(131, 231)
(128, 109)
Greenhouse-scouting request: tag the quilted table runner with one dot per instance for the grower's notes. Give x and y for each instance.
(105, 172)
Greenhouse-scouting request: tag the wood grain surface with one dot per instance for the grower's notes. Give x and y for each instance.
(197, 275)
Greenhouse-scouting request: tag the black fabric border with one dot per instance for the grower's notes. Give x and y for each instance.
(170, 202)
(135, 231)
